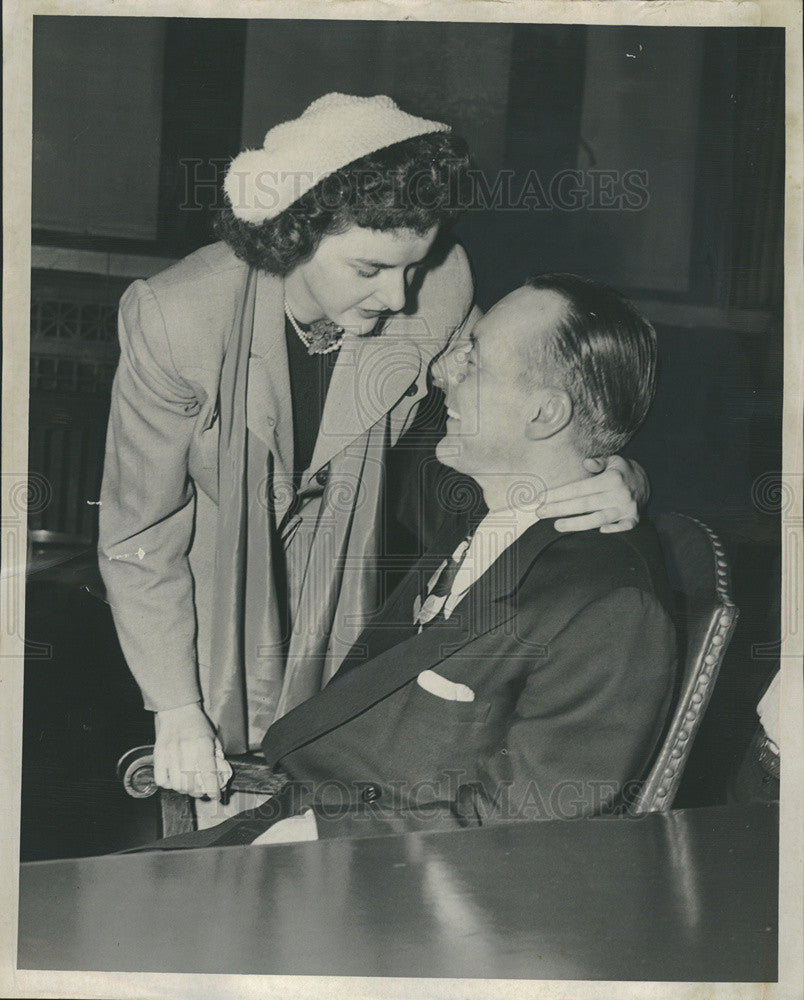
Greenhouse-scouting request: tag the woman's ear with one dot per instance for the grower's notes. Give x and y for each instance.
(552, 416)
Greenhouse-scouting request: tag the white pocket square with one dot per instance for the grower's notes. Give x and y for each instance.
(443, 688)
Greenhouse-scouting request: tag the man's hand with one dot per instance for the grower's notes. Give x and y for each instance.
(188, 757)
(608, 500)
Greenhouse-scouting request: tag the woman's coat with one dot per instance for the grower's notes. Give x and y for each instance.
(201, 528)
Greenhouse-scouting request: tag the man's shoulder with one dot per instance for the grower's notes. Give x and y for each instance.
(583, 566)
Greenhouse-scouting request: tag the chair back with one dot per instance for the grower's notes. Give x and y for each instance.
(705, 620)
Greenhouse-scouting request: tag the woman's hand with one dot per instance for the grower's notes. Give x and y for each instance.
(188, 756)
(608, 500)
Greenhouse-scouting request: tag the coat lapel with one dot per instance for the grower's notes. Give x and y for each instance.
(228, 597)
(270, 414)
(490, 602)
(254, 395)
(369, 378)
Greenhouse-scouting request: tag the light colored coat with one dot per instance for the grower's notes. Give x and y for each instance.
(198, 482)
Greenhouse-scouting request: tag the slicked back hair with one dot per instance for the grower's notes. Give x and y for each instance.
(603, 354)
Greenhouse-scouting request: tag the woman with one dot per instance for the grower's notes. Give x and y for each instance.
(261, 381)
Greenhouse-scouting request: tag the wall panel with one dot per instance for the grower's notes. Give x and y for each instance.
(97, 125)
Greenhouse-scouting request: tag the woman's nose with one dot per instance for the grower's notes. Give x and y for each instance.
(394, 291)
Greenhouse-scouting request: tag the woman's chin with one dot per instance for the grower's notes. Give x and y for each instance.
(356, 324)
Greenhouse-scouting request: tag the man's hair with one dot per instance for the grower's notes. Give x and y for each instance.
(603, 354)
(416, 184)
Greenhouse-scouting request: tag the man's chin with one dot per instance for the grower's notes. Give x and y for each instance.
(449, 452)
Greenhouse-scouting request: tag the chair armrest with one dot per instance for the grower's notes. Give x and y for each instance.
(249, 774)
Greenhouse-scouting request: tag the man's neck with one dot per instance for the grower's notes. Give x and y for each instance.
(524, 491)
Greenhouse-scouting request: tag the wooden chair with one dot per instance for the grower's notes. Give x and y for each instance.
(705, 620)
(136, 770)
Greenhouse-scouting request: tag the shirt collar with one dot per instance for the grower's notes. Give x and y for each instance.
(494, 534)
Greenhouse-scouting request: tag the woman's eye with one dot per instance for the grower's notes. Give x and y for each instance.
(367, 274)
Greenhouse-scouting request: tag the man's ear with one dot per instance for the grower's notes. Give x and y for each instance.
(552, 416)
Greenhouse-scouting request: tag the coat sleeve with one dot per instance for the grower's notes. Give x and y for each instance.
(589, 716)
(583, 728)
(147, 508)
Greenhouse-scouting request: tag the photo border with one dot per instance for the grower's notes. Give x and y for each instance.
(17, 149)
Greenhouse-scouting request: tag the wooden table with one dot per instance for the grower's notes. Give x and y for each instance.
(685, 896)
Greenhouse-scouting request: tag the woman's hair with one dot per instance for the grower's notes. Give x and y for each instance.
(415, 184)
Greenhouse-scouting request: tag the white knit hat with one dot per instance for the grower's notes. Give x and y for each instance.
(333, 132)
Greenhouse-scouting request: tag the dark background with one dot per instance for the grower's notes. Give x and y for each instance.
(135, 118)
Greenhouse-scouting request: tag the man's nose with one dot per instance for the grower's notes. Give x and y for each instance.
(449, 367)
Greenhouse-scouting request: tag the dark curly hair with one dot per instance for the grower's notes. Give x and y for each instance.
(415, 184)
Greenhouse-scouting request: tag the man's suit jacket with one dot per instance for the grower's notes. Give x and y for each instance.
(198, 480)
(569, 649)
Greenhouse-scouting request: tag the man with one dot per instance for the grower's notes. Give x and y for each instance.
(528, 675)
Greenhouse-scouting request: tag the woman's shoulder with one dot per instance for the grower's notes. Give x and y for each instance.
(203, 272)
(447, 288)
(193, 300)
(450, 263)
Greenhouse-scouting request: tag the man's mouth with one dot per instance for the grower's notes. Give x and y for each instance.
(452, 415)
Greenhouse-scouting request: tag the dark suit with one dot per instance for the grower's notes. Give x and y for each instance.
(567, 644)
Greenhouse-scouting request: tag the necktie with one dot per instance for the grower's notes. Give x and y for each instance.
(427, 608)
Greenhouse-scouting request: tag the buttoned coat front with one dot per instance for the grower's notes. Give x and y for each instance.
(199, 514)
(568, 649)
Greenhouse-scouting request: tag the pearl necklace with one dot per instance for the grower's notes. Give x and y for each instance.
(325, 336)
